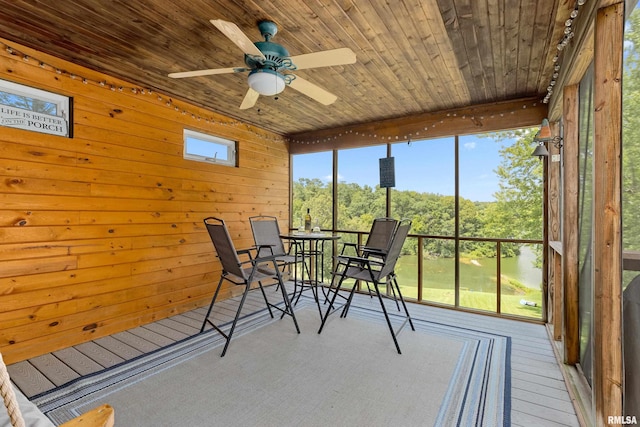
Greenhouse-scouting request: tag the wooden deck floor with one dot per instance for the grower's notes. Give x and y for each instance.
(539, 396)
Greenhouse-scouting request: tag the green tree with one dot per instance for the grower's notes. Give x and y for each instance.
(27, 103)
(631, 134)
(517, 212)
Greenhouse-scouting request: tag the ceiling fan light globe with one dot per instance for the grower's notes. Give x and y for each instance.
(266, 82)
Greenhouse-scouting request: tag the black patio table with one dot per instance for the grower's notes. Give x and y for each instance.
(310, 246)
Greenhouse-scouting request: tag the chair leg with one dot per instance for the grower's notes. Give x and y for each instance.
(333, 299)
(235, 320)
(213, 300)
(345, 309)
(264, 295)
(227, 336)
(287, 302)
(390, 283)
(284, 267)
(347, 305)
(404, 305)
(386, 316)
(294, 298)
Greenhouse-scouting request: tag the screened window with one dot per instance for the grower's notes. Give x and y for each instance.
(312, 181)
(461, 225)
(585, 219)
(360, 198)
(207, 148)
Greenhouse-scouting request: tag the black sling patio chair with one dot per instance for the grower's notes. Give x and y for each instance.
(266, 235)
(377, 272)
(378, 240)
(242, 273)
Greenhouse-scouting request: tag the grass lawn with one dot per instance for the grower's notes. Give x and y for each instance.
(510, 304)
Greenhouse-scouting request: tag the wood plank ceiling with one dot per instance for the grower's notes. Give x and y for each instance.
(413, 56)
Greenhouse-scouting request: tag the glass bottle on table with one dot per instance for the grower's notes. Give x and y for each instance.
(307, 222)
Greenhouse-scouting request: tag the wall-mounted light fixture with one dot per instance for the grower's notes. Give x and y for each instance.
(543, 136)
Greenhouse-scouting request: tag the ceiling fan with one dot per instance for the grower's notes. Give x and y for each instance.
(271, 68)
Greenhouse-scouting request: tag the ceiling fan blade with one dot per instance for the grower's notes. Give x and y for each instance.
(312, 91)
(206, 72)
(250, 99)
(236, 35)
(325, 58)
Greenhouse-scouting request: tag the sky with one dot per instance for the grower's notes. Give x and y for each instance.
(423, 166)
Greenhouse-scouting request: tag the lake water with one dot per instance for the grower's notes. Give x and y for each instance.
(477, 275)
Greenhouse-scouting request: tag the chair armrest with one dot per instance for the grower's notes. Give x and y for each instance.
(359, 260)
(346, 245)
(374, 251)
(270, 248)
(102, 416)
(255, 261)
(247, 252)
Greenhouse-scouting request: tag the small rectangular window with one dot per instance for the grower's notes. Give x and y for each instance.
(207, 148)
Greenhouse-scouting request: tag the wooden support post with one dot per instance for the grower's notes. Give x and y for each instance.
(557, 294)
(553, 232)
(607, 223)
(546, 302)
(571, 321)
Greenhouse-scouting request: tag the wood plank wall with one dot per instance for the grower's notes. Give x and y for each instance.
(103, 231)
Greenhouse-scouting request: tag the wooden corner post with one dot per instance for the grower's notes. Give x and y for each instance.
(607, 224)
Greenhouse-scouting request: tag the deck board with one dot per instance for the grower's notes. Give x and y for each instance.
(546, 401)
(99, 354)
(161, 334)
(118, 347)
(543, 413)
(28, 378)
(137, 338)
(544, 370)
(76, 360)
(539, 394)
(186, 329)
(532, 378)
(522, 419)
(54, 369)
(556, 392)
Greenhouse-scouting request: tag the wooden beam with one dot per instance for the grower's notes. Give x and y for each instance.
(461, 121)
(607, 229)
(570, 230)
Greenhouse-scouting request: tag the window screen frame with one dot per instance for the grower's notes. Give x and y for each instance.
(230, 148)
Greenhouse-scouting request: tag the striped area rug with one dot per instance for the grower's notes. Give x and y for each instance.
(477, 394)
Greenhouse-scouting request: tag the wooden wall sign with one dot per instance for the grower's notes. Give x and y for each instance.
(28, 120)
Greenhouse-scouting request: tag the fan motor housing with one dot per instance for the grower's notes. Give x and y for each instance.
(274, 56)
